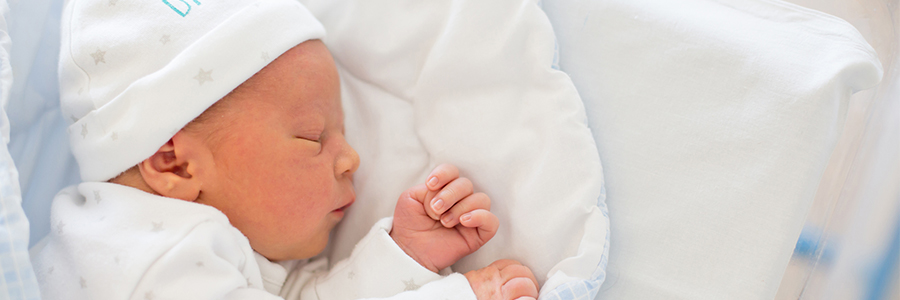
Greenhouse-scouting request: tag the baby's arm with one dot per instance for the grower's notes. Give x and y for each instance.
(376, 268)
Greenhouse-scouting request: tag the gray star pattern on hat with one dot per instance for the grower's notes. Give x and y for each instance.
(203, 76)
(113, 2)
(83, 283)
(164, 39)
(59, 227)
(264, 56)
(98, 56)
(114, 136)
(84, 131)
(97, 196)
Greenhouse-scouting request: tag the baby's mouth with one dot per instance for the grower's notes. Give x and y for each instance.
(343, 208)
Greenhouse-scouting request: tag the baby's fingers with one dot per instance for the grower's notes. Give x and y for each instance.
(519, 287)
(440, 176)
(518, 281)
(471, 202)
(450, 194)
(482, 219)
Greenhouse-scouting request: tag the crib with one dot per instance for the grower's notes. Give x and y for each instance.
(743, 142)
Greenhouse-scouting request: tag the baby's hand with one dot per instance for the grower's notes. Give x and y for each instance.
(503, 280)
(442, 221)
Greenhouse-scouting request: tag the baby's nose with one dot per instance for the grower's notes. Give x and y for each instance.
(347, 160)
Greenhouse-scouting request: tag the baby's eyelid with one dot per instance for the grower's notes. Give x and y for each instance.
(311, 137)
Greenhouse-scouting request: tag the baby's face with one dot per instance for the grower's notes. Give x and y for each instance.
(282, 168)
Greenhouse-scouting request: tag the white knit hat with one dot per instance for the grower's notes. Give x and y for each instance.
(134, 72)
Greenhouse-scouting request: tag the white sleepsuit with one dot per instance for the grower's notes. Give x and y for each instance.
(110, 241)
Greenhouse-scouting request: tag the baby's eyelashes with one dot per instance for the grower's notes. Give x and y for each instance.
(317, 138)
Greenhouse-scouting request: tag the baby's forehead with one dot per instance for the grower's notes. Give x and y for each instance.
(299, 86)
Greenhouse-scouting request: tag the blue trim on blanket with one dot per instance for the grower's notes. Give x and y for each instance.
(586, 289)
(17, 281)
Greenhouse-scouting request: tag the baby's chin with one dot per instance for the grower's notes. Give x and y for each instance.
(303, 250)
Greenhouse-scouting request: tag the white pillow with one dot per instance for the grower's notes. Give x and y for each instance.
(715, 120)
(471, 82)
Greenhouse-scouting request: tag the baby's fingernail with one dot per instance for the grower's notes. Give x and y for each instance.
(466, 217)
(432, 181)
(447, 219)
(437, 205)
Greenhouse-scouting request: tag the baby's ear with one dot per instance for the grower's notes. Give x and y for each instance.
(172, 171)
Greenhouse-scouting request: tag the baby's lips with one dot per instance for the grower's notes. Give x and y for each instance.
(350, 202)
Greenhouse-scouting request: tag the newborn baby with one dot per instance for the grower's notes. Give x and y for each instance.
(224, 190)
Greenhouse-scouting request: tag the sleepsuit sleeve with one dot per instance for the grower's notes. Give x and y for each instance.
(376, 269)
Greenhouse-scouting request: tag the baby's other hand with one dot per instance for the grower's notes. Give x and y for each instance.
(503, 280)
(439, 222)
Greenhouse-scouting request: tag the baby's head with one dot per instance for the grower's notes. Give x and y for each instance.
(270, 154)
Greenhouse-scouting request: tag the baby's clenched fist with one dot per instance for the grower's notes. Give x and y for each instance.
(504, 279)
(443, 220)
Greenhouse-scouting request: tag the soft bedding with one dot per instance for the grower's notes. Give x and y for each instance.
(17, 281)
(38, 140)
(472, 83)
(715, 120)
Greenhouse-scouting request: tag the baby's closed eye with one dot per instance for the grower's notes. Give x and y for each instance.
(310, 137)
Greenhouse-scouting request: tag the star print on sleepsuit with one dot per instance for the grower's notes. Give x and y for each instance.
(410, 285)
(203, 76)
